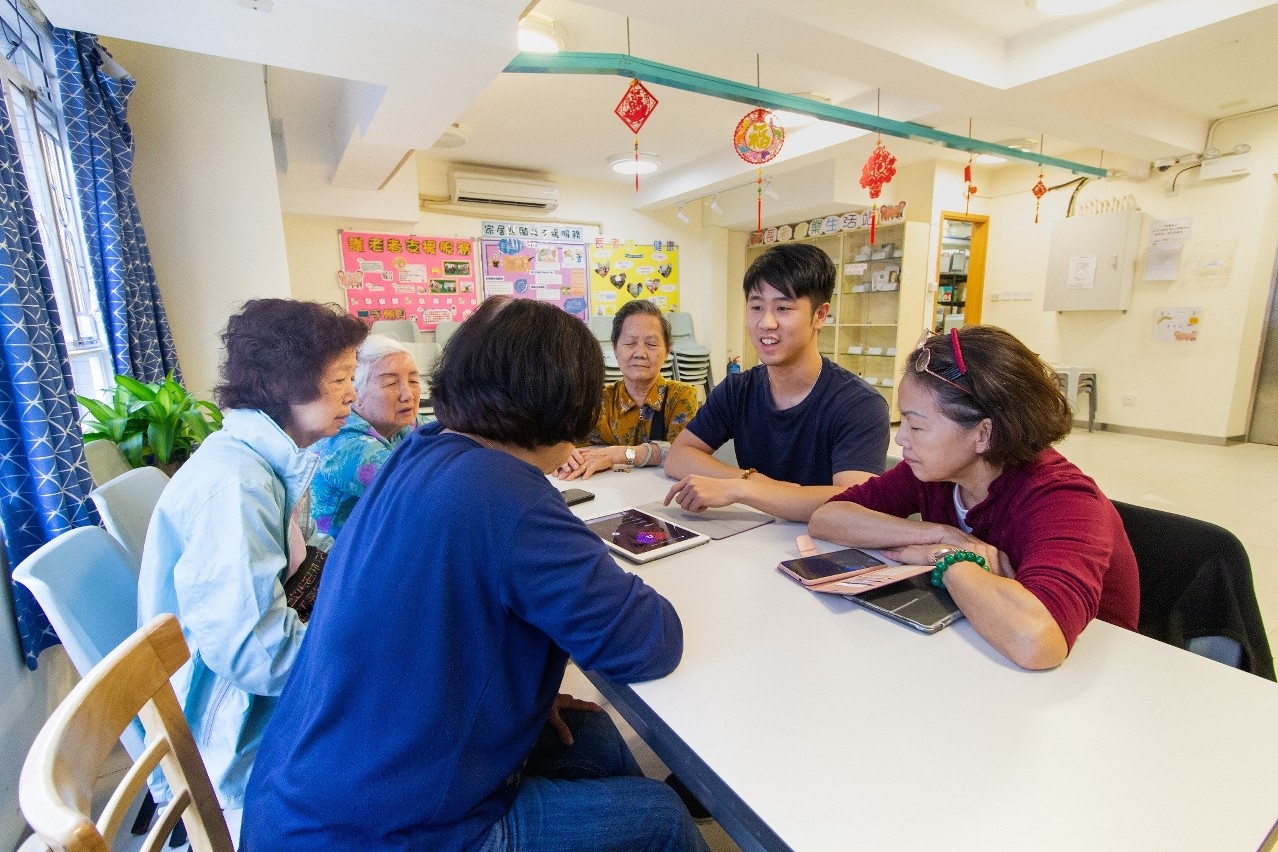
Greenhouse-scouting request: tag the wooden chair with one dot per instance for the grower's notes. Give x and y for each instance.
(67, 757)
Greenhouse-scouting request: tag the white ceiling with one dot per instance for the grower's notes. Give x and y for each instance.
(355, 85)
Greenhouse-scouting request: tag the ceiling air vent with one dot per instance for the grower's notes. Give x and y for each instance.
(510, 192)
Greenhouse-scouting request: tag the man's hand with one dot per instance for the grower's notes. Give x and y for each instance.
(697, 493)
(567, 702)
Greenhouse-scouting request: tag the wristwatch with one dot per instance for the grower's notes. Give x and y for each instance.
(630, 456)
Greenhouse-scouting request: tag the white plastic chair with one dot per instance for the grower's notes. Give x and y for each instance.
(126, 504)
(403, 330)
(106, 462)
(444, 329)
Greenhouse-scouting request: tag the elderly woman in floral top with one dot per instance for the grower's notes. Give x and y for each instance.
(643, 412)
(388, 387)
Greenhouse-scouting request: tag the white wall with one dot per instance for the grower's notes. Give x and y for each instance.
(314, 257)
(205, 180)
(1200, 389)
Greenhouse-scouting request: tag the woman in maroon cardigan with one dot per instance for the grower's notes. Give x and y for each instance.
(1027, 545)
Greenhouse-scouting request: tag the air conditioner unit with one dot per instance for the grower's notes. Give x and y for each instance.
(510, 192)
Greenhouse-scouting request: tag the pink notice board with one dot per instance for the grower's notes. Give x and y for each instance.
(535, 268)
(405, 276)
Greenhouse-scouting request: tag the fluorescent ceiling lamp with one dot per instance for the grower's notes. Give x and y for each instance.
(1072, 7)
(632, 164)
(793, 120)
(539, 34)
(681, 216)
(988, 159)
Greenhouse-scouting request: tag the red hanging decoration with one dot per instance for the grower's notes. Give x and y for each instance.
(634, 108)
(971, 188)
(877, 172)
(757, 140)
(1039, 190)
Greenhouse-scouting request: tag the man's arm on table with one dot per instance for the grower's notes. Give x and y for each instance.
(705, 482)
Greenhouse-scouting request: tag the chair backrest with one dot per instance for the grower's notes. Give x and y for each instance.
(681, 324)
(601, 328)
(444, 329)
(106, 462)
(126, 504)
(403, 330)
(1196, 587)
(68, 755)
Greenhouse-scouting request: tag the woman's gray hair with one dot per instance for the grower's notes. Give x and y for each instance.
(374, 348)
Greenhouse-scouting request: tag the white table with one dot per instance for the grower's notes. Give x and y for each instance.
(802, 720)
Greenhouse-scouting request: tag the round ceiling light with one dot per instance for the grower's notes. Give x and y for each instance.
(1072, 7)
(632, 164)
(792, 120)
(453, 137)
(539, 34)
(989, 159)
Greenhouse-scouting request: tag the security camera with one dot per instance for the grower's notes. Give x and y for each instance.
(1162, 167)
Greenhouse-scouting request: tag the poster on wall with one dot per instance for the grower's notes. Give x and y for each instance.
(406, 276)
(622, 271)
(536, 267)
(1176, 325)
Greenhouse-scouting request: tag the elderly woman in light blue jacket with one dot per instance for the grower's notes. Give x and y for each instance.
(234, 524)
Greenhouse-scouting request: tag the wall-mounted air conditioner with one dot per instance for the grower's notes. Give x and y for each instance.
(510, 192)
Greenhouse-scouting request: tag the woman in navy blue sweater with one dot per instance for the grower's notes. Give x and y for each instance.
(415, 717)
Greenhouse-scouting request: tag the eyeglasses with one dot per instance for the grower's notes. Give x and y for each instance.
(958, 371)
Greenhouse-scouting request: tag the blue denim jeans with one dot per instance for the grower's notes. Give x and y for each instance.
(591, 797)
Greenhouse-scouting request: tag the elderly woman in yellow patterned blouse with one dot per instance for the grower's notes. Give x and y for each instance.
(643, 412)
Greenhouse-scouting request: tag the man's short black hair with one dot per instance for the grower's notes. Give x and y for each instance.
(528, 374)
(797, 270)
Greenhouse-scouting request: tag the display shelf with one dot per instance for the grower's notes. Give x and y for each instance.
(877, 309)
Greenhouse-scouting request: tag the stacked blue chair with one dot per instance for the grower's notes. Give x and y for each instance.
(691, 359)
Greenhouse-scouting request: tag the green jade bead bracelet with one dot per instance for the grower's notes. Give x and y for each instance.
(943, 564)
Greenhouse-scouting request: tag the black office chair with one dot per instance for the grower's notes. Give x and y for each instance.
(1196, 588)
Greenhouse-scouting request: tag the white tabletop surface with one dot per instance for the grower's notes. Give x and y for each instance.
(841, 729)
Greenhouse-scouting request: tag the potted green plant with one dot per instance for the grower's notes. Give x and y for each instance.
(157, 423)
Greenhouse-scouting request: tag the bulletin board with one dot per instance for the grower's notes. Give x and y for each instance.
(406, 276)
(540, 268)
(622, 271)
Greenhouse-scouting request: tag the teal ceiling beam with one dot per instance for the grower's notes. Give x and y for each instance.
(648, 71)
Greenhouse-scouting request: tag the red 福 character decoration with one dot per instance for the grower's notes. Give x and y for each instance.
(757, 140)
(633, 109)
(877, 172)
(1039, 190)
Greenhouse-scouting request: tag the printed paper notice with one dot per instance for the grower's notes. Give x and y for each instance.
(1163, 263)
(1082, 272)
(1170, 232)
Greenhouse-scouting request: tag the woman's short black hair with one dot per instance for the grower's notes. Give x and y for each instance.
(640, 306)
(276, 351)
(1008, 383)
(523, 373)
(797, 269)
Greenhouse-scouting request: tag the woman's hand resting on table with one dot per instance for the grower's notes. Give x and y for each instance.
(584, 462)
(922, 554)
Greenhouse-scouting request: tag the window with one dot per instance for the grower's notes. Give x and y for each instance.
(30, 87)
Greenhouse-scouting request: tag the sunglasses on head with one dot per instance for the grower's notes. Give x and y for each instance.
(953, 374)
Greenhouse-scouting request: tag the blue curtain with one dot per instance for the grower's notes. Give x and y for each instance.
(95, 94)
(44, 480)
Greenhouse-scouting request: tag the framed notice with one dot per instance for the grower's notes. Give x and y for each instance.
(620, 272)
(405, 276)
(540, 268)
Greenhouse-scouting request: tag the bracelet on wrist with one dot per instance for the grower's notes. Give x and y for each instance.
(647, 456)
(746, 474)
(951, 558)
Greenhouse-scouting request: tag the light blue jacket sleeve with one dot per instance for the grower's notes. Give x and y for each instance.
(228, 582)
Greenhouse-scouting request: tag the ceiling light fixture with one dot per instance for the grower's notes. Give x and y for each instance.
(714, 206)
(540, 34)
(989, 159)
(769, 191)
(681, 216)
(630, 164)
(792, 120)
(1071, 7)
(453, 137)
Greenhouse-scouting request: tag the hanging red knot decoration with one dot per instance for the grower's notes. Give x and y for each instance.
(1039, 190)
(877, 172)
(633, 109)
(757, 140)
(971, 188)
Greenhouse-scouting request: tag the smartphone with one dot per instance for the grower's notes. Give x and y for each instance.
(828, 567)
(573, 496)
